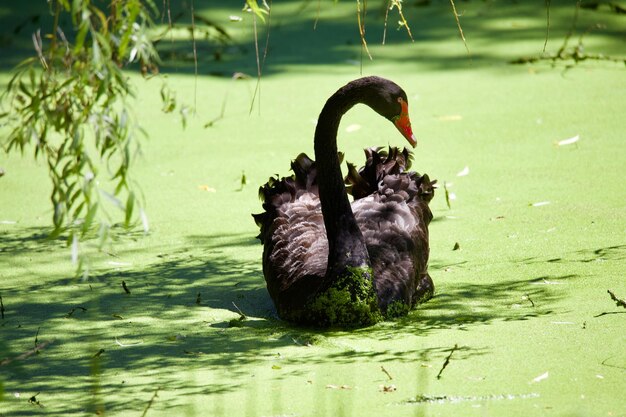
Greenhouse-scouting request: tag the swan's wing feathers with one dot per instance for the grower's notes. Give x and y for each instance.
(280, 191)
(394, 218)
(299, 241)
(295, 251)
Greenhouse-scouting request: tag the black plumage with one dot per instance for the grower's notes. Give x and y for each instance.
(327, 261)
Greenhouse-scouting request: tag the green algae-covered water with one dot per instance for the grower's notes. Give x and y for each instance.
(533, 158)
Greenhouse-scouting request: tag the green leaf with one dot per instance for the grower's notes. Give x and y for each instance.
(67, 168)
(91, 214)
(126, 36)
(130, 203)
(254, 7)
(73, 197)
(80, 36)
(24, 89)
(83, 87)
(78, 210)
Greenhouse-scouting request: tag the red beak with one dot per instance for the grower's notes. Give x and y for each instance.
(403, 123)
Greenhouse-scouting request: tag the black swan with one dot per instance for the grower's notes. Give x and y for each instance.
(328, 262)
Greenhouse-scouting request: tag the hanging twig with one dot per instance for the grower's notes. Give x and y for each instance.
(169, 20)
(571, 29)
(361, 23)
(403, 22)
(547, 24)
(37, 42)
(260, 64)
(458, 23)
(575, 53)
(317, 16)
(1, 307)
(195, 58)
(387, 8)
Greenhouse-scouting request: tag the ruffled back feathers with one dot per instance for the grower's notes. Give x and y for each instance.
(391, 207)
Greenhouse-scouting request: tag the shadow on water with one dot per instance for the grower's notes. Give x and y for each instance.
(224, 47)
(184, 313)
(31, 239)
(608, 253)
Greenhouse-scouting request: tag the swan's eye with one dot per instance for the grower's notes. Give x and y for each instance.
(404, 106)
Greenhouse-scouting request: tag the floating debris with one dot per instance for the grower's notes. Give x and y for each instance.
(140, 342)
(569, 141)
(445, 399)
(206, 188)
(114, 263)
(541, 377)
(618, 301)
(450, 118)
(447, 361)
(463, 172)
(447, 194)
(33, 400)
(69, 314)
(382, 368)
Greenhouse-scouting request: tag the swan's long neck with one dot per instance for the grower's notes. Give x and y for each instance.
(346, 244)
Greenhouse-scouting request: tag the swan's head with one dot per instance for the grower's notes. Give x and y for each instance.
(390, 101)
